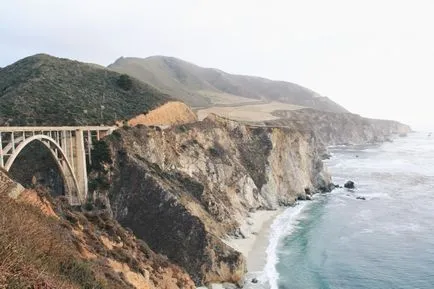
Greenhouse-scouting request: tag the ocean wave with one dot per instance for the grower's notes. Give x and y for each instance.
(283, 226)
(373, 196)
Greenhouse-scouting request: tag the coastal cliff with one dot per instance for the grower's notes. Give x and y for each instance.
(186, 188)
(340, 128)
(187, 191)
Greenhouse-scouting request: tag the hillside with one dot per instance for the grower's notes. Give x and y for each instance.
(204, 87)
(44, 243)
(45, 90)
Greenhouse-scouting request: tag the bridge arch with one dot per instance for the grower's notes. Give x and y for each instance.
(61, 159)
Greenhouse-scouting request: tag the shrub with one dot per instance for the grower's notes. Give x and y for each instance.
(125, 82)
(100, 155)
(81, 273)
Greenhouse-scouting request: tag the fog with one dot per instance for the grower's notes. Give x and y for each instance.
(373, 57)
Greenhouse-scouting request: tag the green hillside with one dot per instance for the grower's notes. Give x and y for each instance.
(45, 90)
(202, 87)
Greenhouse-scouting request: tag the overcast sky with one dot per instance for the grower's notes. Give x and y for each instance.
(376, 58)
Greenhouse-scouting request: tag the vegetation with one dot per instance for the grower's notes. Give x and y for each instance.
(125, 82)
(100, 155)
(35, 251)
(65, 248)
(45, 90)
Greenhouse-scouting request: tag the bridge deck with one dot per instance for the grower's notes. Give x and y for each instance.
(54, 128)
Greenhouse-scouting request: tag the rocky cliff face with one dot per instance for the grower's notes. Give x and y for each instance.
(340, 128)
(185, 188)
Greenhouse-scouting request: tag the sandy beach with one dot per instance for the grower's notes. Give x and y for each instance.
(253, 246)
(256, 240)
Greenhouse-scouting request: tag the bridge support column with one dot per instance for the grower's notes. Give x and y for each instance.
(2, 162)
(67, 145)
(70, 187)
(80, 165)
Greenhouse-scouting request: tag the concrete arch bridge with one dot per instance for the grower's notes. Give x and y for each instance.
(69, 146)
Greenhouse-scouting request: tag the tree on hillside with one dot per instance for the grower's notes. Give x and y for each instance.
(125, 82)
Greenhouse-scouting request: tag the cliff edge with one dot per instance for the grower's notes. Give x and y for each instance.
(184, 189)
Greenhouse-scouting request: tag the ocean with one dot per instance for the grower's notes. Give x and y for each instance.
(339, 241)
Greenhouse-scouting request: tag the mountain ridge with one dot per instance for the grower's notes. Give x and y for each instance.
(204, 87)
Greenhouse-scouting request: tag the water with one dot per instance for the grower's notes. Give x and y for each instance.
(385, 241)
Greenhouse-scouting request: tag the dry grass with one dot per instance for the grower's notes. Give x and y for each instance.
(170, 113)
(36, 251)
(73, 247)
(251, 112)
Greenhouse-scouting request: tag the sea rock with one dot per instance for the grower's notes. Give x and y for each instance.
(254, 280)
(349, 185)
(361, 198)
(326, 156)
(327, 189)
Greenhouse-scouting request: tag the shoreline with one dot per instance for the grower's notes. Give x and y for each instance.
(257, 257)
(256, 232)
(262, 226)
(254, 246)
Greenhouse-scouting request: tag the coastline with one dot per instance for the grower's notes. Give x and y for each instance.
(256, 232)
(254, 246)
(257, 257)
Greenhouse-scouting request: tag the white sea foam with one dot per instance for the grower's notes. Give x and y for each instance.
(282, 226)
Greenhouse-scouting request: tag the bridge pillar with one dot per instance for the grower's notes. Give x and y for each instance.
(72, 190)
(68, 146)
(80, 165)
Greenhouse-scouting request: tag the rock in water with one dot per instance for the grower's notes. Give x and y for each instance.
(254, 280)
(349, 185)
(326, 156)
(361, 198)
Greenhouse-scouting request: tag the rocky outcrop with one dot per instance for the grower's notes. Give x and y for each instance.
(183, 189)
(340, 128)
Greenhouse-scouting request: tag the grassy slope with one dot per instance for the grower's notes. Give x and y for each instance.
(45, 90)
(199, 86)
